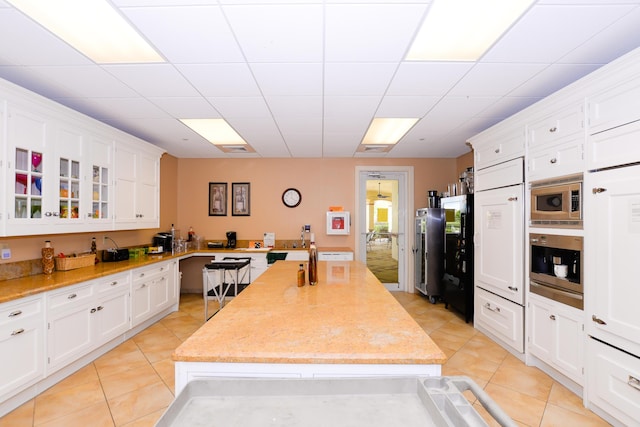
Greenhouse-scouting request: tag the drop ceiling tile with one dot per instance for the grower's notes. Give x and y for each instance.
(406, 106)
(190, 34)
(610, 43)
(241, 107)
(27, 43)
(301, 125)
(553, 78)
(288, 79)
(131, 108)
(495, 79)
(157, 80)
(542, 36)
(221, 79)
(32, 79)
(506, 107)
(427, 78)
(295, 107)
(153, 3)
(357, 79)
(278, 33)
(88, 81)
(370, 33)
(187, 108)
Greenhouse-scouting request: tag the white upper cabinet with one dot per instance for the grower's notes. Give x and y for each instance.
(498, 145)
(137, 176)
(58, 171)
(615, 106)
(555, 144)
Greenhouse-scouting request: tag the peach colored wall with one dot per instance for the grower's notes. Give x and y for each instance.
(463, 162)
(322, 182)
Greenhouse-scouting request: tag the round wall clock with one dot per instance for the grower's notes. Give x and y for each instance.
(291, 197)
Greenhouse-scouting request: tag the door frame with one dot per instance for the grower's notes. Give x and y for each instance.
(407, 211)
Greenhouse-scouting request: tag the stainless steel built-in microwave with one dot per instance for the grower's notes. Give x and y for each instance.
(557, 203)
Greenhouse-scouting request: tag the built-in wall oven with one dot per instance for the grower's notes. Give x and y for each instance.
(556, 268)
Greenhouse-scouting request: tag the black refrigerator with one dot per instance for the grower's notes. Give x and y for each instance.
(457, 280)
(429, 252)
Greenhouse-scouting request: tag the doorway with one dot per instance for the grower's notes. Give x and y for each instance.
(383, 225)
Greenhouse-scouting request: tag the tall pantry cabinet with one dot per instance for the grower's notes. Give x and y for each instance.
(499, 236)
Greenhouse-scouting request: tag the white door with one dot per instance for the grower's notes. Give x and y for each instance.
(382, 225)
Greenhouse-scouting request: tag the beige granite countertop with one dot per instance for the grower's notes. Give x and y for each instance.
(31, 285)
(349, 317)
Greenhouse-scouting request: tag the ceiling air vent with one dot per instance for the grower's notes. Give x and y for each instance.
(244, 148)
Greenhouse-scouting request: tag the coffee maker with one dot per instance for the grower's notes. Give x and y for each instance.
(231, 239)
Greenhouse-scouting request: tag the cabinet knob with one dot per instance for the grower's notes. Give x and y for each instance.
(553, 129)
(598, 190)
(511, 288)
(513, 199)
(598, 320)
(497, 150)
(115, 282)
(553, 161)
(72, 296)
(93, 310)
(100, 308)
(552, 317)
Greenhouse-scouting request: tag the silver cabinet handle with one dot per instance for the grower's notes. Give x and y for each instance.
(553, 129)
(141, 274)
(495, 310)
(552, 317)
(598, 320)
(114, 283)
(634, 382)
(72, 296)
(598, 190)
(513, 199)
(17, 332)
(497, 150)
(511, 288)
(100, 308)
(553, 161)
(93, 310)
(15, 313)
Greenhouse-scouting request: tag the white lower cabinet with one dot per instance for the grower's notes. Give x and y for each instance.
(21, 344)
(499, 317)
(152, 290)
(613, 382)
(556, 336)
(112, 313)
(69, 324)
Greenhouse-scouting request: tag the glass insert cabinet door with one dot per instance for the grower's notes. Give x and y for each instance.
(29, 178)
(100, 198)
(69, 189)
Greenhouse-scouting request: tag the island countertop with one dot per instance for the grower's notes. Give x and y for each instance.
(348, 318)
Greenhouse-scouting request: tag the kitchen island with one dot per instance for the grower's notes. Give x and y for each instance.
(348, 325)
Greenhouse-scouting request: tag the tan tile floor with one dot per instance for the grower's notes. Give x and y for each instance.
(133, 384)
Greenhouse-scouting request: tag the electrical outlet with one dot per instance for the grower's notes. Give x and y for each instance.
(104, 239)
(6, 252)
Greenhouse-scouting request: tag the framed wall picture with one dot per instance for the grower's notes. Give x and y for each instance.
(240, 193)
(217, 199)
(338, 222)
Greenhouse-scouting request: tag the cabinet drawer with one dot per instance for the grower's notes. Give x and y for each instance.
(69, 296)
(112, 283)
(613, 382)
(502, 175)
(497, 147)
(16, 311)
(151, 271)
(557, 160)
(615, 147)
(614, 107)
(557, 128)
(502, 318)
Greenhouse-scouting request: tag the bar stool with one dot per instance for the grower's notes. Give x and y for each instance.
(218, 277)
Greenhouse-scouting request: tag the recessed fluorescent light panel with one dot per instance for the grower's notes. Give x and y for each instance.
(383, 133)
(219, 133)
(463, 30)
(93, 27)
